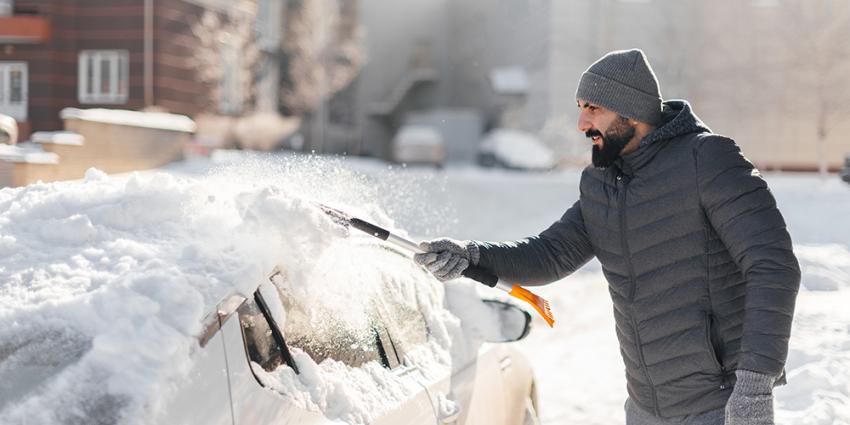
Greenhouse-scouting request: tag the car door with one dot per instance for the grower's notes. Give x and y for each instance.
(202, 396)
(472, 393)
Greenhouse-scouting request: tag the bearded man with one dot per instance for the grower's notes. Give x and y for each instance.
(698, 261)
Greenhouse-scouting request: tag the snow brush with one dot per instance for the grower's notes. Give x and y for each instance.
(473, 272)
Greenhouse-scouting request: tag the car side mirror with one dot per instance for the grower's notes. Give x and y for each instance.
(514, 322)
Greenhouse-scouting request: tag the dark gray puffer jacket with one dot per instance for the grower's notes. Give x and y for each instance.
(698, 262)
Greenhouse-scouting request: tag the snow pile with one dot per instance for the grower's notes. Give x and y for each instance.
(28, 153)
(159, 120)
(517, 149)
(819, 355)
(68, 138)
(105, 283)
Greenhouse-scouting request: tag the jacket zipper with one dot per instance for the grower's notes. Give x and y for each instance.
(627, 255)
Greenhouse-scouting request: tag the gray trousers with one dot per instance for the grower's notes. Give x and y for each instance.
(637, 416)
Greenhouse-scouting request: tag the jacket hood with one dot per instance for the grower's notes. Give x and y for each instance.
(677, 119)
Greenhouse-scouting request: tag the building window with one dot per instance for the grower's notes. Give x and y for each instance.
(230, 85)
(103, 76)
(13, 89)
(268, 24)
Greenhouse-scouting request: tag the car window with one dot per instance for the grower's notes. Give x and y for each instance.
(406, 324)
(323, 334)
(260, 343)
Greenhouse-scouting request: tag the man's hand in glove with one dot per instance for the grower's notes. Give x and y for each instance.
(447, 258)
(751, 402)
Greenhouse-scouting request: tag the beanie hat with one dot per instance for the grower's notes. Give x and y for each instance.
(623, 82)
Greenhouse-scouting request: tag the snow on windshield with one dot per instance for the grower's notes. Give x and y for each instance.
(106, 282)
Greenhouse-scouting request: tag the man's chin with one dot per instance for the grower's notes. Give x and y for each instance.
(602, 159)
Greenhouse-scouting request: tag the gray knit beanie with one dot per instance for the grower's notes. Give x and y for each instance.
(623, 82)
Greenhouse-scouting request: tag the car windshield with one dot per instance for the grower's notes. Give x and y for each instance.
(345, 325)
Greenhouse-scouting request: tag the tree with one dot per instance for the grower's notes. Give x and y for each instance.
(322, 52)
(226, 57)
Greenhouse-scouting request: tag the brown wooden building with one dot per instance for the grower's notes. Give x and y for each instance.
(183, 56)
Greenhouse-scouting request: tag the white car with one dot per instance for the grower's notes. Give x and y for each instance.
(263, 358)
(515, 149)
(243, 339)
(419, 144)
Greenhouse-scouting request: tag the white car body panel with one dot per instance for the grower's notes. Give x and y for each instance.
(203, 395)
(476, 388)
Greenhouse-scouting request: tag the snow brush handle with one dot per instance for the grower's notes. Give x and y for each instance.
(481, 275)
(541, 305)
(473, 272)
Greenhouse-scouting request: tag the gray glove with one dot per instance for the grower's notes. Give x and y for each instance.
(751, 402)
(447, 258)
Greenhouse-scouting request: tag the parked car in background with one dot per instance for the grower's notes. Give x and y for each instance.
(845, 172)
(515, 149)
(419, 144)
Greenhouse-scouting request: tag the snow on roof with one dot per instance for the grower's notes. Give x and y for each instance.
(509, 80)
(26, 153)
(158, 120)
(100, 275)
(58, 138)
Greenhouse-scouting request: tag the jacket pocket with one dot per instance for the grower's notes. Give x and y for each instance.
(712, 352)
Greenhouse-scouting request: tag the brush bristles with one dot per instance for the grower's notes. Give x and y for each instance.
(539, 304)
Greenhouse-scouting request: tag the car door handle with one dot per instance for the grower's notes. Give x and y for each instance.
(505, 363)
(449, 410)
(450, 417)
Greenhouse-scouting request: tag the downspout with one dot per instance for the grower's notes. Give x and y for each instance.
(148, 53)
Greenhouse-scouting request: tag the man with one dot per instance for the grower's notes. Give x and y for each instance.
(698, 262)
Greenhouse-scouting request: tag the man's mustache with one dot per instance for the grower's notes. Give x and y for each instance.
(592, 133)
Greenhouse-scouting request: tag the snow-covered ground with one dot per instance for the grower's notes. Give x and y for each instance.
(64, 245)
(579, 369)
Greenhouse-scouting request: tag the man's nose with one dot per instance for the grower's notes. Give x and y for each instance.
(583, 123)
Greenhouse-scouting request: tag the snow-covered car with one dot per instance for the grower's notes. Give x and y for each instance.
(136, 301)
(418, 144)
(268, 348)
(845, 172)
(514, 149)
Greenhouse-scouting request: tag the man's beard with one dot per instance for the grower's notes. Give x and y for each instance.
(614, 141)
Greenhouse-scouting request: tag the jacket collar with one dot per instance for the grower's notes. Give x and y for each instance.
(678, 120)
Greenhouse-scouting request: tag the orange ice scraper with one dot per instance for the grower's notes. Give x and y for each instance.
(473, 272)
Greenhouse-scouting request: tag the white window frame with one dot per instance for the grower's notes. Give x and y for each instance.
(16, 109)
(230, 89)
(119, 66)
(268, 24)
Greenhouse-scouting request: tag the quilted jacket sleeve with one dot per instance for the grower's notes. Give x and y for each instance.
(742, 210)
(553, 254)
